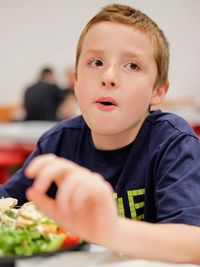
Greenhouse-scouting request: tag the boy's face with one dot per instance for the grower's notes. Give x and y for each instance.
(115, 81)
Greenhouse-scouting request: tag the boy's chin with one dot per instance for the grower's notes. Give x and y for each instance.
(109, 130)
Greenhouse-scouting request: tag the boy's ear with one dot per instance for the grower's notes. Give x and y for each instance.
(74, 78)
(159, 94)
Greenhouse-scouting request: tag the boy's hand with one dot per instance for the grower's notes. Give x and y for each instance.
(83, 205)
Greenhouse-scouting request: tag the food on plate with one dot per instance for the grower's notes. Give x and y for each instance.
(25, 231)
(6, 203)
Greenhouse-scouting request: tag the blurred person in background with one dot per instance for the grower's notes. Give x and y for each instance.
(42, 99)
(69, 106)
(69, 76)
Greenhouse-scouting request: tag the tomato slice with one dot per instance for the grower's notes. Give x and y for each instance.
(70, 239)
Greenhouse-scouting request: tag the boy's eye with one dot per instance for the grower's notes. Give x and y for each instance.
(96, 63)
(132, 66)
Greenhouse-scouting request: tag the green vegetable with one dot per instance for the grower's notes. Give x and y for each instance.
(54, 244)
(11, 214)
(27, 242)
(24, 235)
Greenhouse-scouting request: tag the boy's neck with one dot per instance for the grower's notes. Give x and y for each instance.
(112, 142)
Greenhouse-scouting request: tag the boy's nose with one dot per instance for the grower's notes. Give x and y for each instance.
(111, 84)
(109, 78)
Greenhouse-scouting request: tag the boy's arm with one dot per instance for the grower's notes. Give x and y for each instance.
(85, 206)
(164, 242)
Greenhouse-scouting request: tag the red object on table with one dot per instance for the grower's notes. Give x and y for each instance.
(12, 155)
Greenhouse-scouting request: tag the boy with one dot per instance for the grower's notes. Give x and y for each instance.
(151, 159)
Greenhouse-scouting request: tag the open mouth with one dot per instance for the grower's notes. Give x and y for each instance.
(106, 103)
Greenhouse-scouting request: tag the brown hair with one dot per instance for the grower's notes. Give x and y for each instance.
(129, 16)
(45, 72)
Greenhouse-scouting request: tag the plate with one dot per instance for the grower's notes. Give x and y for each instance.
(34, 226)
(9, 261)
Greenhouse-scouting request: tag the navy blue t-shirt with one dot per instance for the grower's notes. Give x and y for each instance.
(156, 178)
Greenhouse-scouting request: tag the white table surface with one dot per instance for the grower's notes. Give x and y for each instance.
(24, 132)
(96, 256)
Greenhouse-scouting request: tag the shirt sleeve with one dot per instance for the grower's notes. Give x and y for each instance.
(177, 184)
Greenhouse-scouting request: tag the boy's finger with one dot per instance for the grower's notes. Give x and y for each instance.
(48, 169)
(54, 172)
(37, 163)
(66, 195)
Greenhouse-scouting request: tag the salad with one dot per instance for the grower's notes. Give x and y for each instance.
(25, 231)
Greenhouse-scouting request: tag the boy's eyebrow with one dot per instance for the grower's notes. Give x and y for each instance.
(94, 51)
(127, 54)
(134, 55)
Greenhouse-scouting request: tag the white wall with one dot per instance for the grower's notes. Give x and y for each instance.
(38, 32)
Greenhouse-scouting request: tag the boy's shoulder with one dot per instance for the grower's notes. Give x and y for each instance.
(169, 122)
(70, 125)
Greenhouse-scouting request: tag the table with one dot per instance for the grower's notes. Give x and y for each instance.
(97, 256)
(25, 133)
